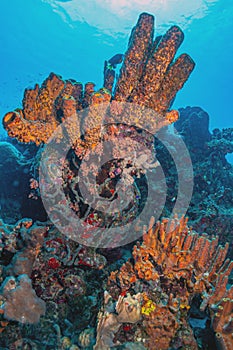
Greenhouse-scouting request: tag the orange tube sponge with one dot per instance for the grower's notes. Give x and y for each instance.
(173, 264)
(148, 77)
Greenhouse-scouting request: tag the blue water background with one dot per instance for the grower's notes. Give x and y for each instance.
(36, 41)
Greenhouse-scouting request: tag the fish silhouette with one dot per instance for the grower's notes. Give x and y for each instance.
(115, 60)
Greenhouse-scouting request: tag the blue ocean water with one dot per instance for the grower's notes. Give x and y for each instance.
(73, 38)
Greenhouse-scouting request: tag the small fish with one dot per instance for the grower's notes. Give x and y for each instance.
(115, 60)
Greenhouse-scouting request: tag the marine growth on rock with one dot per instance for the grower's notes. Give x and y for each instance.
(62, 293)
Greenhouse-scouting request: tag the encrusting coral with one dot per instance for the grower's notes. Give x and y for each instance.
(170, 267)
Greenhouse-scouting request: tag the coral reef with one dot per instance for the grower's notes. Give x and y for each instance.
(52, 287)
(20, 302)
(211, 206)
(43, 275)
(21, 244)
(148, 77)
(193, 125)
(46, 107)
(170, 267)
(128, 309)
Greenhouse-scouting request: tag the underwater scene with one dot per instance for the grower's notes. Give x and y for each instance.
(116, 175)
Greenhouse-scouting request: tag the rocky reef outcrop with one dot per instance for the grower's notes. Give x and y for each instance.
(212, 202)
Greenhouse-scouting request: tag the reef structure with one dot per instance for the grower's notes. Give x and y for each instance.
(170, 267)
(147, 300)
(149, 76)
(149, 79)
(41, 271)
(210, 209)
